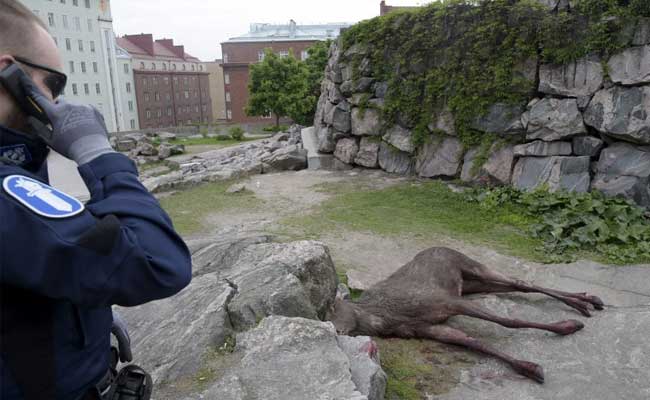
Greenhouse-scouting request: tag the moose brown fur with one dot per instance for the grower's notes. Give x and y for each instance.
(415, 300)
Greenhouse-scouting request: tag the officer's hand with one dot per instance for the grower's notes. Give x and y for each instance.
(78, 132)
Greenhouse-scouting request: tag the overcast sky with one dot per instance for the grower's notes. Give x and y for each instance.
(201, 25)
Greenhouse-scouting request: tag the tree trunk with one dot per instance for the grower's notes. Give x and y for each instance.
(277, 120)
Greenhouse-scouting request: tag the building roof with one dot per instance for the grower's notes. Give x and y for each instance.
(261, 32)
(143, 46)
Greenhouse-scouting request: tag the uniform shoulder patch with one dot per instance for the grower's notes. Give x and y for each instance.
(40, 198)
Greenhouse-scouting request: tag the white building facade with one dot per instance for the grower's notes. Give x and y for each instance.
(83, 31)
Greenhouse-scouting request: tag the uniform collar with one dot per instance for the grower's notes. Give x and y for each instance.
(28, 153)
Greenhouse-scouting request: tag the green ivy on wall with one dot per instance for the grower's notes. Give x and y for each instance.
(468, 55)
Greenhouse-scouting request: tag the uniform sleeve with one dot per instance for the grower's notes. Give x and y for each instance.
(121, 250)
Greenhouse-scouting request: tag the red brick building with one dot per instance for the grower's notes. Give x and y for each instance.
(385, 9)
(172, 87)
(240, 52)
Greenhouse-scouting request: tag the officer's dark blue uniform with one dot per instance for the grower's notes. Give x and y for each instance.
(122, 249)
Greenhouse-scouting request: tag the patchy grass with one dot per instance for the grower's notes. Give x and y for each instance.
(214, 141)
(188, 209)
(421, 210)
(420, 368)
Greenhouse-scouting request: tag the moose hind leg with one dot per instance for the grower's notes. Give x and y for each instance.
(457, 337)
(471, 309)
(478, 272)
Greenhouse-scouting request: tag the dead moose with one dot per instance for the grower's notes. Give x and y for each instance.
(415, 300)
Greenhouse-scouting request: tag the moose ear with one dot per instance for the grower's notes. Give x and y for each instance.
(342, 292)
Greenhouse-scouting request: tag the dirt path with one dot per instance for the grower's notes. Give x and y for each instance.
(607, 360)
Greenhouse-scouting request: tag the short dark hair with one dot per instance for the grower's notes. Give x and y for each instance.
(17, 25)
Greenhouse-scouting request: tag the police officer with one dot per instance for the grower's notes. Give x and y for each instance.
(64, 264)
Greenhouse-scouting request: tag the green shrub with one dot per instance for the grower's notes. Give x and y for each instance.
(571, 222)
(237, 133)
(275, 129)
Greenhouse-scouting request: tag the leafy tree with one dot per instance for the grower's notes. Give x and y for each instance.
(287, 87)
(279, 86)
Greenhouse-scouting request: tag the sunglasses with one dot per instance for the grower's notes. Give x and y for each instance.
(55, 81)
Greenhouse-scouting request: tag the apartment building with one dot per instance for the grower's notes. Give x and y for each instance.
(83, 31)
(171, 87)
(242, 51)
(217, 94)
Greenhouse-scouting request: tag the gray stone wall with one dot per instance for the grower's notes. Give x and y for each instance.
(588, 127)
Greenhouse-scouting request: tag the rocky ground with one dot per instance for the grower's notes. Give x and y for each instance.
(242, 274)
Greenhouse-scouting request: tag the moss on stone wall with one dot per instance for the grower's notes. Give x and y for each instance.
(469, 55)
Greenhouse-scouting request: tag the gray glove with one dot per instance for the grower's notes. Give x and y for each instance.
(77, 132)
(123, 340)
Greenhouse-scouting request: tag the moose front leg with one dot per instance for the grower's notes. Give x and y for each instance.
(457, 337)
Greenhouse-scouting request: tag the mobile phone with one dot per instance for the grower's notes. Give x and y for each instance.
(11, 78)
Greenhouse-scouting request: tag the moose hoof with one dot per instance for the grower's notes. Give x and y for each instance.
(596, 302)
(530, 370)
(568, 327)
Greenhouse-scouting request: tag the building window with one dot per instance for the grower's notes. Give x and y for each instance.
(187, 94)
(72, 67)
(229, 114)
(132, 124)
(304, 55)
(81, 45)
(200, 67)
(155, 80)
(50, 19)
(83, 67)
(128, 87)
(144, 81)
(77, 24)
(184, 67)
(196, 109)
(87, 3)
(62, 1)
(98, 88)
(130, 105)
(226, 79)
(166, 80)
(225, 58)
(159, 113)
(193, 67)
(153, 66)
(148, 114)
(146, 97)
(126, 68)
(64, 19)
(173, 67)
(283, 54)
(68, 45)
(90, 25)
(205, 108)
(164, 67)
(142, 65)
(75, 3)
(196, 94)
(74, 89)
(95, 70)
(56, 41)
(169, 111)
(186, 81)
(92, 46)
(86, 88)
(227, 97)
(157, 96)
(168, 97)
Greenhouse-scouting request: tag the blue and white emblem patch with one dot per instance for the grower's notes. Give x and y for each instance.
(40, 198)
